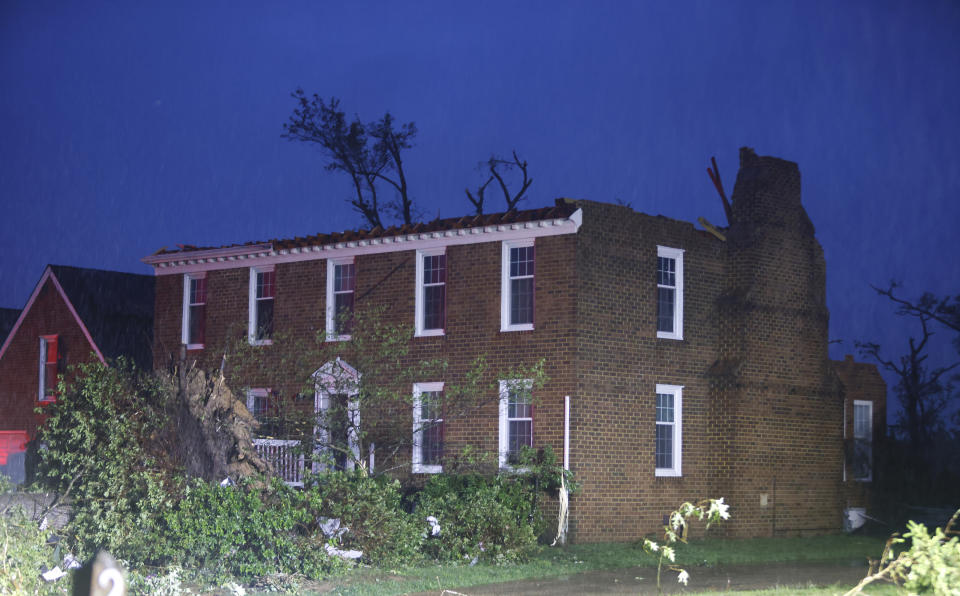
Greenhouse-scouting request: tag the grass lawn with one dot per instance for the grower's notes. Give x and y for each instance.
(553, 562)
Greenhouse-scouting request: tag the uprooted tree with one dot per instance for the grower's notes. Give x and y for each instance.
(372, 154)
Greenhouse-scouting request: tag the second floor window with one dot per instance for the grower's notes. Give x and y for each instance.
(194, 311)
(669, 292)
(262, 292)
(341, 288)
(49, 367)
(431, 298)
(517, 284)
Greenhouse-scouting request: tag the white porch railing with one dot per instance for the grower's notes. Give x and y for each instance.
(282, 454)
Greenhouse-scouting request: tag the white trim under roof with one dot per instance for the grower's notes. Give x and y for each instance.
(258, 255)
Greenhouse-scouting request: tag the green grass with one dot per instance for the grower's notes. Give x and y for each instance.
(556, 562)
(874, 589)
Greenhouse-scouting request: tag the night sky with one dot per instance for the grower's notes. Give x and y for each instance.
(125, 127)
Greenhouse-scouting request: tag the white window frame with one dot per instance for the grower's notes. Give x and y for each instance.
(331, 314)
(418, 466)
(868, 438)
(419, 299)
(185, 323)
(504, 413)
(677, 255)
(677, 468)
(42, 389)
(506, 245)
(252, 307)
(252, 394)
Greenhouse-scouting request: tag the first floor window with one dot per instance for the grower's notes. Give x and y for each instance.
(516, 420)
(428, 427)
(516, 286)
(669, 292)
(341, 288)
(431, 297)
(194, 310)
(262, 292)
(49, 367)
(862, 440)
(668, 430)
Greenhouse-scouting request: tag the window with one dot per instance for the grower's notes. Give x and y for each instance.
(669, 292)
(516, 419)
(262, 291)
(260, 404)
(49, 367)
(516, 286)
(862, 440)
(668, 432)
(428, 430)
(341, 287)
(431, 298)
(193, 330)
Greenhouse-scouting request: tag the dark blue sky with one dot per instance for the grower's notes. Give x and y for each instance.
(125, 127)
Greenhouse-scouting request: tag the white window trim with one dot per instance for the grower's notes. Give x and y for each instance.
(331, 302)
(845, 445)
(42, 389)
(677, 392)
(252, 394)
(418, 306)
(869, 405)
(185, 323)
(417, 462)
(677, 255)
(252, 307)
(505, 284)
(504, 426)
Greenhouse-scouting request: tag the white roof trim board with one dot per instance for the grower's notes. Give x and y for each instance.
(264, 254)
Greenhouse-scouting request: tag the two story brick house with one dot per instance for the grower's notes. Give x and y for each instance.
(681, 363)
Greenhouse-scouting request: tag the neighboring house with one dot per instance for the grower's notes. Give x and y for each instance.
(681, 364)
(864, 426)
(74, 315)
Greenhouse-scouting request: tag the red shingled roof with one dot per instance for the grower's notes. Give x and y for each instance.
(564, 208)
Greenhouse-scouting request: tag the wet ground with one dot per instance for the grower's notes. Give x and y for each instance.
(642, 580)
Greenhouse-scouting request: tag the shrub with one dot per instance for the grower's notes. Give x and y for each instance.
(480, 517)
(245, 531)
(94, 449)
(372, 509)
(23, 552)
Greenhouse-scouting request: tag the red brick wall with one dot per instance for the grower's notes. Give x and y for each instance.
(620, 361)
(20, 365)
(388, 281)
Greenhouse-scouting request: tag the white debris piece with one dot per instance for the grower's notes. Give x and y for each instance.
(343, 554)
(434, 525)
(71, 562)
(331, 527)
(53, 575)
(227, 482)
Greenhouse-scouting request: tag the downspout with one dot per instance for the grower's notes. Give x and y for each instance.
(564, 496)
